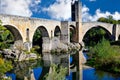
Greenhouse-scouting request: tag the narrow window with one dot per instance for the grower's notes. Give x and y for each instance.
(27, 32)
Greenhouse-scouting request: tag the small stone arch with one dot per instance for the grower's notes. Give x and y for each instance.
(44, 40)
(72, 33)
(43, 30)
(15, 32)
(57, 31)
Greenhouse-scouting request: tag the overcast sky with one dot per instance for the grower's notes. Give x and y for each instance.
(61, 9)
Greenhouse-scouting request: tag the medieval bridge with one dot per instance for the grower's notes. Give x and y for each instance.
(23, 28)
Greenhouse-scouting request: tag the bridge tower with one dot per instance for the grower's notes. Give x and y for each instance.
(76, 14)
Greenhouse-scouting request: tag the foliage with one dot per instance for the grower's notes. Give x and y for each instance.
(58, 73)
(105, 56)
(109, 19)
(6, 37)
(4, 67)
(35, 49)
(37, 37)
(37, 41)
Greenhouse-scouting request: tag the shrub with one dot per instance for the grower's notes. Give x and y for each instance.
(4, 67)
(105, 56)
(58, 73)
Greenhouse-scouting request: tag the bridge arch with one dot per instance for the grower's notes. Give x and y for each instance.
(42, 37)
(107, 34)
(57, 31)
(15, 32)
(88, 28)
(72, 33)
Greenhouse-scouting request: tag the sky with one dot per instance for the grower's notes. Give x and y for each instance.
(61, 9)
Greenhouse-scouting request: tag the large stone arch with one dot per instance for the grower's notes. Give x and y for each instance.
(57, 31)
(98, 26)
(44, 40)
(86, 39)
(89, 25)
(16, 33)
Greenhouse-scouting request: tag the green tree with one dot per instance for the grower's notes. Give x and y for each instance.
(118, 21)
(37, 41)
(36, 36)
(109, 19)
(6, 37)
(102, 19)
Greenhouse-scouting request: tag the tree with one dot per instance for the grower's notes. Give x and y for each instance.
(6, 37)
(102, 19)
(109, 19)
(36, 36)
(37, 41)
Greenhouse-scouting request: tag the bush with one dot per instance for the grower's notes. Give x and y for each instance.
(4, 67)
(105, 56)
(58, 73)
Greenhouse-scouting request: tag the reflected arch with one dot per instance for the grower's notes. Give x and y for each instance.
(15, 32)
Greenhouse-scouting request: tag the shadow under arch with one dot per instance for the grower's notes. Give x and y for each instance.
(15, 32)
(40, 36)
(119, 37)
(93, 35)
(72, 33)
(57, 32)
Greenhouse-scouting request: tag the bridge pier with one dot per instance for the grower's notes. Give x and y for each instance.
(115, 31)
(65, 38)
(46, 44)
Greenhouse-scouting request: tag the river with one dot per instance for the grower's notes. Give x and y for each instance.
(36, 69)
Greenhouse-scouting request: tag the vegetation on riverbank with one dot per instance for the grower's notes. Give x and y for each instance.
(104, 56)
(4, 67)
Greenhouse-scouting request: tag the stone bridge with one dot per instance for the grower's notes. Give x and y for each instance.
(23, 28)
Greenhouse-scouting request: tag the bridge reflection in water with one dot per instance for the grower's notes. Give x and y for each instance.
(37, 69)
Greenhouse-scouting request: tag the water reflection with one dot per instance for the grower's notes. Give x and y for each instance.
(37, 69)
(92, 74)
